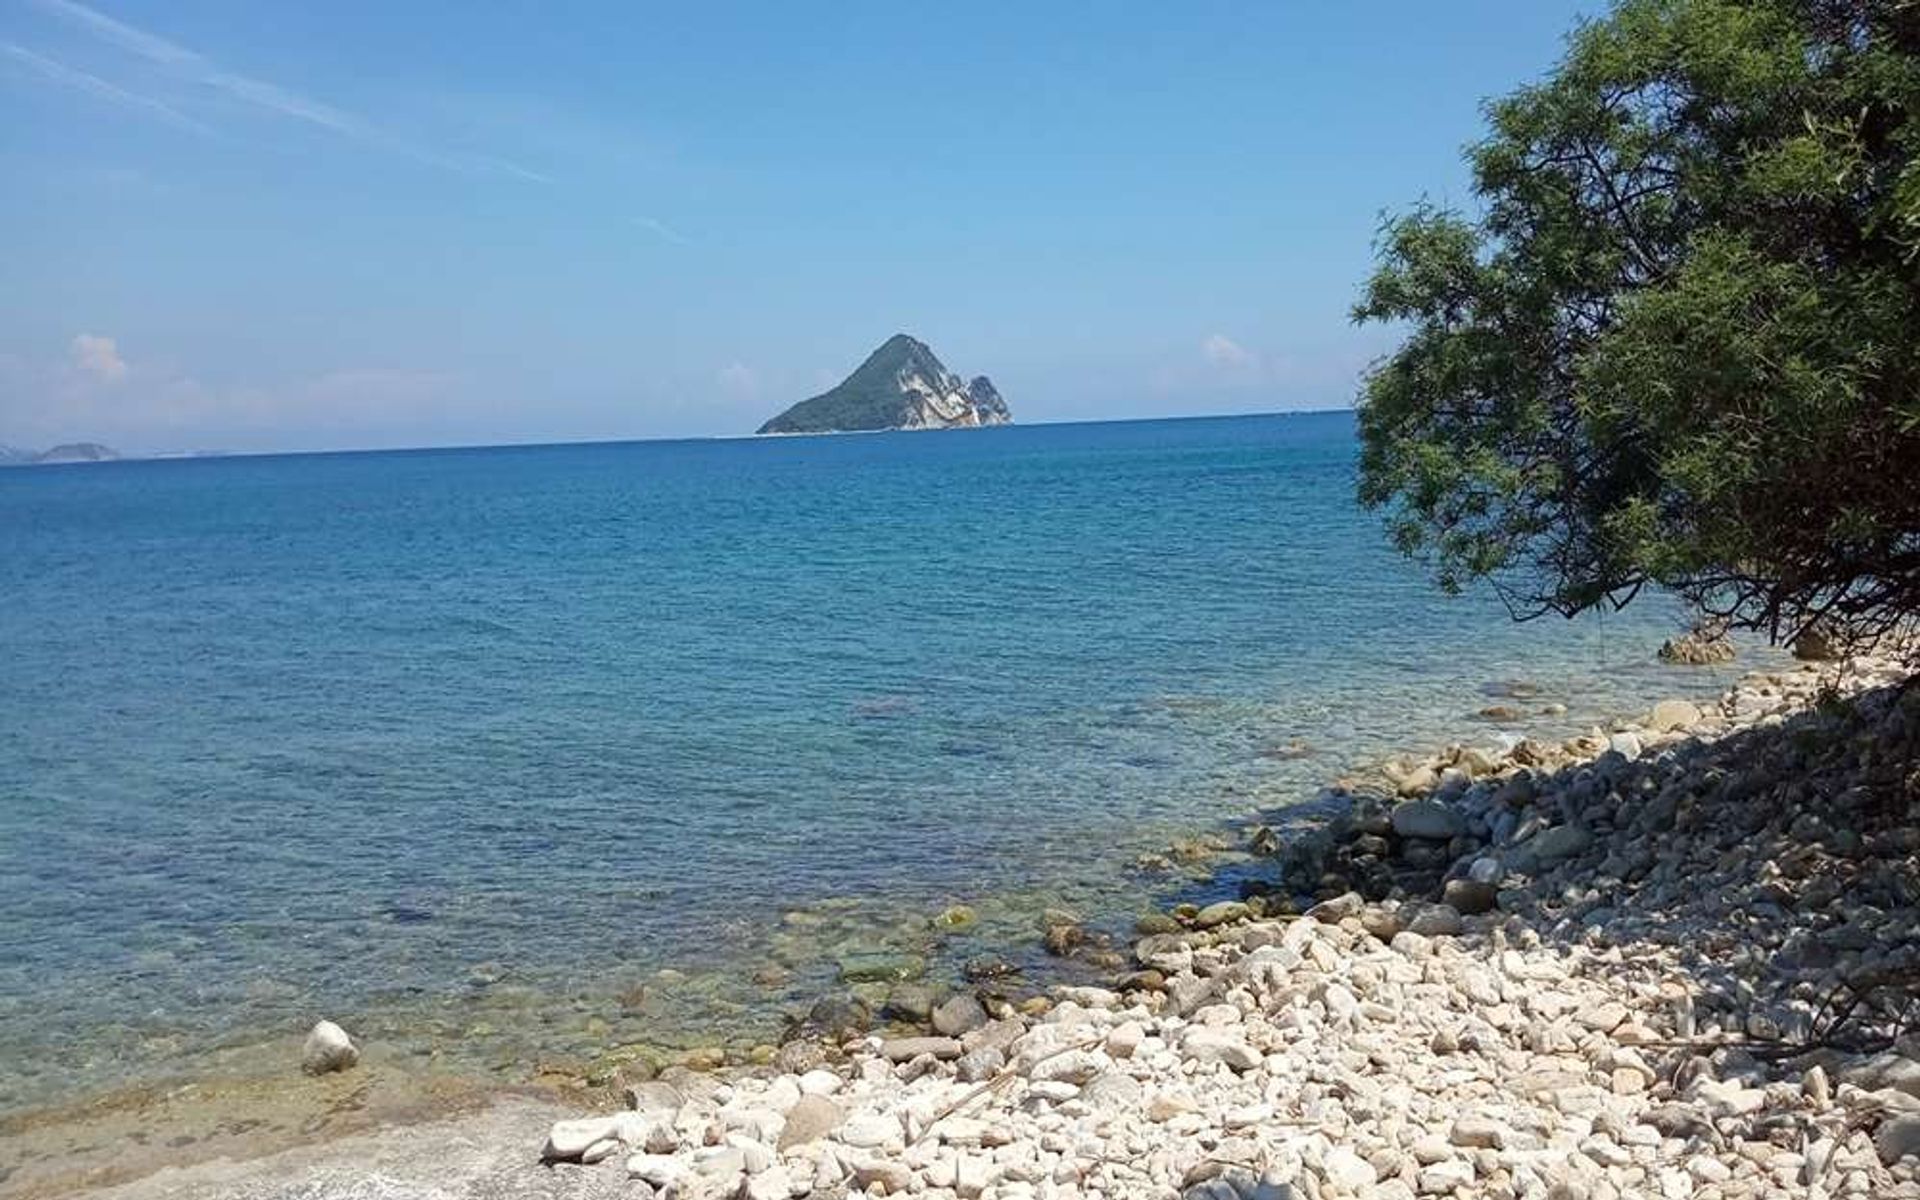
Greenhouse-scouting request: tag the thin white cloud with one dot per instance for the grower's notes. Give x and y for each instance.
(739, 380)
(266, 96)
(91, 393)
(58, 72)
(1223, 351)
(98, 357)
(662, 230)
(146, 45)
(507, 167)
(280, 101)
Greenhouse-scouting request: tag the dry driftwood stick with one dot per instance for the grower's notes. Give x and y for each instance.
(1004, 1077)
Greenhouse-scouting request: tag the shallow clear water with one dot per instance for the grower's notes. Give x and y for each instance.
(457, 746)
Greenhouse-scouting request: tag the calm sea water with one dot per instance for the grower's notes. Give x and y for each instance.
(459, 746)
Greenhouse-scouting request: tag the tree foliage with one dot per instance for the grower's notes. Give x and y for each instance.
(1677, 342)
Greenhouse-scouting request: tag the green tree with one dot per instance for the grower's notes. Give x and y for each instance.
(1677, 339)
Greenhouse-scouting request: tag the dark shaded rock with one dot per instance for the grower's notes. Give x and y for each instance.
(988, 966)
(1338, 909)
(840, 1017)
(1062, 940)
(1817, 643)
(909, 1002)
(1427, 819)
(1470, 897)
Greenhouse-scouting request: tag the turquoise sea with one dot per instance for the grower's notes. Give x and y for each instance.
(463, 748)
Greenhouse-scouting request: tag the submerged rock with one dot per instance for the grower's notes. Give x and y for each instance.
(910, 1002)
(881, 966)
(839, 1017)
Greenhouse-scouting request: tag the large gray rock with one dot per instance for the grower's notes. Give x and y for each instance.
(1549, 846)
(1517, 791)
(908, 1048)
(809, 1120)
(1885, 1070)
(1673, 714)
(909, 1002)
(1114, 1092)
(656, 1100)
(1469, 897)
(839, 1016)
(957, 1015)
(1427, 819)
(1338, 909)
(571, 1141)
(1207, 1045)
(328, 1049)
(978, 1065)
(1899, 1138)
(1220, 913)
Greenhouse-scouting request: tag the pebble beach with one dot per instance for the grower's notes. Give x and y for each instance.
(1671, 958)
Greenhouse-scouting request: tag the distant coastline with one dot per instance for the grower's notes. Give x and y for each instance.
(690, 438)
(65, 452)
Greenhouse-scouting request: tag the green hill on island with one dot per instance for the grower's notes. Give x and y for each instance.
(902, 385)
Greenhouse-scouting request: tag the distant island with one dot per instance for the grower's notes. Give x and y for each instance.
(902, 385)
(66, 452)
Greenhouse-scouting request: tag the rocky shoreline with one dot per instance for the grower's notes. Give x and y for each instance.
(1673, 958)
(1676, 958)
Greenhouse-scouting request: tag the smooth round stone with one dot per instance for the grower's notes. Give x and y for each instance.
(1428, 819)
(1220, 914)
(958, 1015)
(328, 1049)
(1470, 897)
(1436, 920)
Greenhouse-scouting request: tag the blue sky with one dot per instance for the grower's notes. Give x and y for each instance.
(237, 225)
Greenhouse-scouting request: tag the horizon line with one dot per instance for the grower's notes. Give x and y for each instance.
(189, 455)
